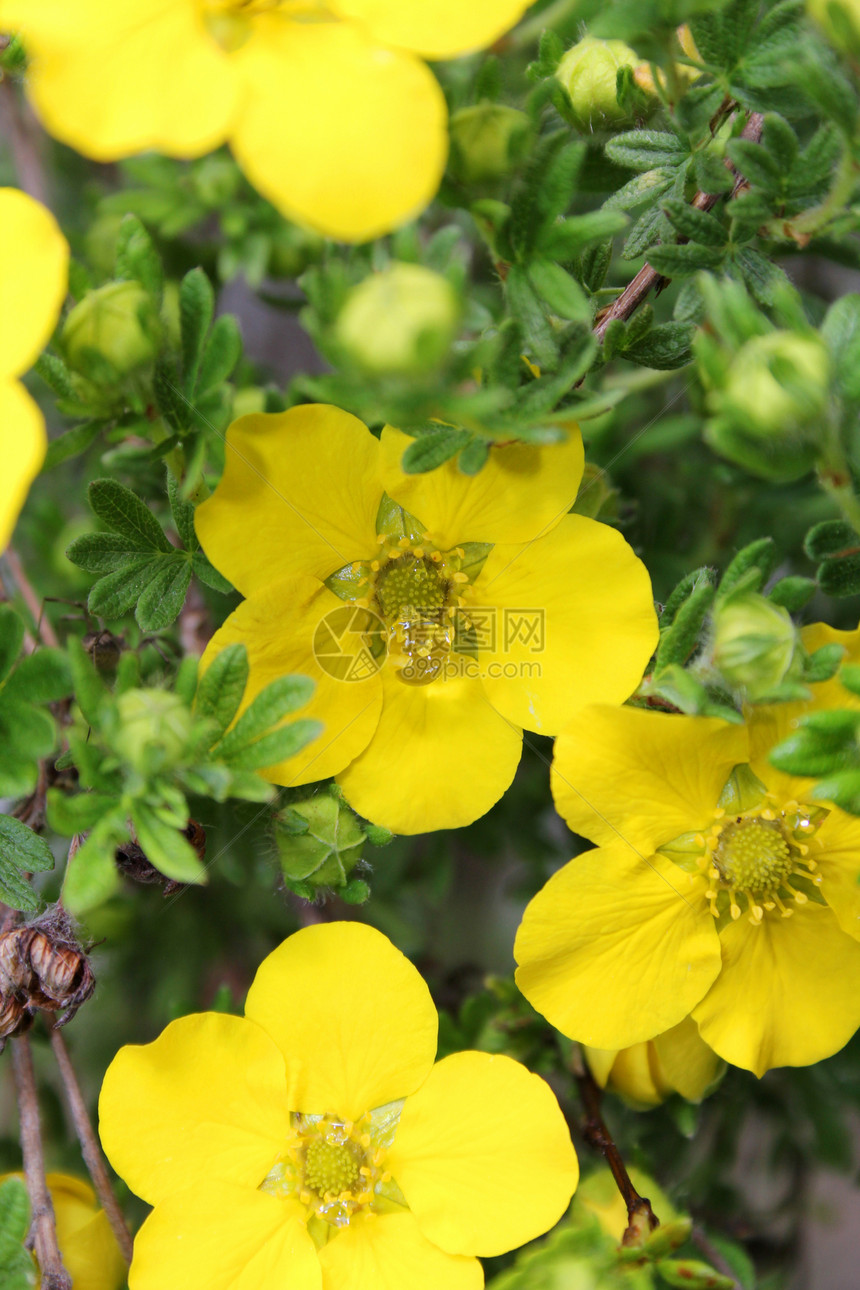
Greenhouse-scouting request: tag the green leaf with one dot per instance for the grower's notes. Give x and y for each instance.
(71, 444)
(123, 512)
(850, 677)
(561, 292)
(41, 677)
(116, 594)
(91, 875)
(165, 847)
(763, 278)
(823, 663)
(272, 704)
(474, 456)
(527, 309)
(679, 641)
(792, 593)
(682, 591)
(680, 261)
(831, 538)
(566, 238)
(90, 692)
(221, 354)
(430, 450)
(136, 257)
(712, 173)
(840, 577)
(54, 373)
(69, 814)
(841, 333)
(172, 403)
(645, 149)
(277, 746)
(196, 308)
(183, 515)
(105, 552)
(15, 891)
(755, 164)
(14, 1218)
(208, 574)
(221, 687)
(642, 188)
(759, 557)
(21, 847)
(666, 346)
(162, 600)
(11, 639)
(692, 223)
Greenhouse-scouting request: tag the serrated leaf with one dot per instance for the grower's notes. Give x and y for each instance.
(105, 552)
(90, 692)
(117, 593)
(221, 687)
(196, 309)
(11, 639)
(431, 450)
(15, 891)
(755, 164)
(561, 292)
(221, 354)
(566, 238)
(136, 256)
(165, 847)
(272, 704)
(183, 515)
(71, 444)
(123, 512)
(41, 677)
(14, 1217)
(763, 278)
(162, 599)
(712, 173)
(172, 404)
(527, 309)
(647, 149)
(681, 261)
(277, 746)
(22, 848)
(642, 188)
(209, 575)
(665, 347)
(648, 230)
(697, 225)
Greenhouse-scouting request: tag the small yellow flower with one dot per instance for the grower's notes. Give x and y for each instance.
(326, 104)
(718, 888)
(33, 276)
(87, 1245)
(678, 1061)
(314, 1143)
(438, 614)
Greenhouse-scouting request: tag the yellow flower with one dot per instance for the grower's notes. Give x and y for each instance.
(430, 647)
(88, 1247)
(314, 1142)
(645, 1074)
(718, 888)
(32, 288)
(326, 104)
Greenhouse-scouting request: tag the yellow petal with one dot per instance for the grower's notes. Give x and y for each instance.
(388, 1252)
(217, 1236)
(277, 626)
(838, 863)
(435, 28)
(522, 492)
(685, 1062)
(440, 758)
(90, 1253)
(644, 776)
(337, 132)
(483, 1155)
(787, 994)
(591, 598)
(351, 1015)
(33, 279)
(113, 79)
(600, 1063)
(22, 451)
(299, 495)
(615, 949)
(207, 1099)
(634, 1077)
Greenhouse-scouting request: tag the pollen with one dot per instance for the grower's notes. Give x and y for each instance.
(331, 1166)
(754, 855)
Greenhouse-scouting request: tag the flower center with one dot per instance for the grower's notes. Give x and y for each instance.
(754, 855)
(332, 1167)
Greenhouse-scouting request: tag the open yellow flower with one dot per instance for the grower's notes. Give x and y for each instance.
(87, 1245)
(432, 640)
(33, 275)
(326, 104)
(713, 890)
(314, 1143)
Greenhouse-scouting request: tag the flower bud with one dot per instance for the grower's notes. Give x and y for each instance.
(319, 843)
(399, 322)
(778, 382)
(486, 141)
(153, 729)
(644, 1075)
(588, 73)
(693, 1274)
(117, 323)
(754, 644)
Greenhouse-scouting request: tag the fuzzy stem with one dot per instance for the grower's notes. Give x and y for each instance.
(20, 130)
(54, 1275)
(90, 1150)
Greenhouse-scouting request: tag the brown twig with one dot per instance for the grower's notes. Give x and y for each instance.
(647, 278)
(641, 1218)
(28, 595)
(21, 131)
(44, 1228)
(90, 1150)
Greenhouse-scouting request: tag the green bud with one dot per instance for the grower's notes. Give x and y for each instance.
(778, 383)
(153, 729)
(588, 73)
(754, 643)
(487, 140)
(693, 1274)
(319, 842)
(399, 322)
(668, 1237)
(118, 323)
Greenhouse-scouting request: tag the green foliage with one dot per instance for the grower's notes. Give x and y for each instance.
(17, 1270)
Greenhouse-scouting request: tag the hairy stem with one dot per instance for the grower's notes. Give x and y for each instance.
(54, 1275)
(641, 1218)
(90, 1149)
(20, 128)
